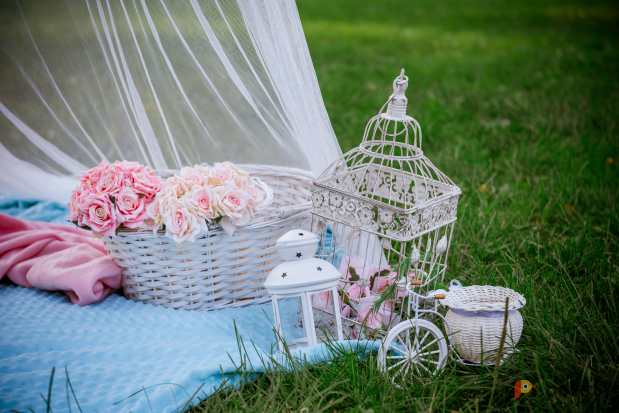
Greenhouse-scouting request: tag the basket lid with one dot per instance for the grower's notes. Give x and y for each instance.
(483, 298)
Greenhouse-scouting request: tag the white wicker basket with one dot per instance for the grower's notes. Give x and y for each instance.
(217, 270)
(476, 318)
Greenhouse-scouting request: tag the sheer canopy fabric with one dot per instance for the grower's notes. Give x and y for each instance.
(167, 83)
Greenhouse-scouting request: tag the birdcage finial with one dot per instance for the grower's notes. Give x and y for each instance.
(397, 102)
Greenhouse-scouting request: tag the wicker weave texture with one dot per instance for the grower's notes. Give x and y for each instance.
(217, 270)
(471, 335)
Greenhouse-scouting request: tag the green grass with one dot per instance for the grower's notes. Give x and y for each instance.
(518, 105)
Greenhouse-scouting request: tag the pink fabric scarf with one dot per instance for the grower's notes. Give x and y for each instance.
(56, 257)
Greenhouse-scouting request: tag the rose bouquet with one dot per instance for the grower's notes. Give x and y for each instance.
(112, 196)
(200, 195)
(127, 194)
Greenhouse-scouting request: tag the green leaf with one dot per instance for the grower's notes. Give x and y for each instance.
(345, 297)
(141, 196)
(119, 228)
(113, 200)
(353, 274)
(442, 286)
(373, 278)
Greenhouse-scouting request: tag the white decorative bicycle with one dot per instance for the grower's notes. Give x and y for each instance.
(418, 346)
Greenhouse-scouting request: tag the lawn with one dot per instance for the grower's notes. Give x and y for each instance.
(518, 105)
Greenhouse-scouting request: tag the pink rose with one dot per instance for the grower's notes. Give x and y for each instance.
(90, 178)
(99, 214)
(145, 182)
(192, 176)
(231, 202)
(362, 267)
(353, 291)
(201, 199)
(256, 194)
(346, 311)
(323, 301)
(233, 206)
(241, 181)
(386, 315)
(130, 207)
(233, 167)
(205, 171)
(111, 180)
(77, 197)
(368, 318)
(181, 225)
(152, 209)
(221, 176)
(385, 281)
(129, 168)
(155, 218)
(227, 171)
(177, 184)
(130, 165)
(167, 197)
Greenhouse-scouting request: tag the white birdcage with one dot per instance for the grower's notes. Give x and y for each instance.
(385, 202)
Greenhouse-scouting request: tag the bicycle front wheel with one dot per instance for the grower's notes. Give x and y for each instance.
(415, 347)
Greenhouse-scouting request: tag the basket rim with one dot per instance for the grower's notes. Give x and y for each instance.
(460, 299)
(263, 218)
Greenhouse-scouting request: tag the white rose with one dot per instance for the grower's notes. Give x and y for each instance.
(203, 202)
(176, 184)
(220, 175)
(192, 177)
(181, 225)
(231, 201)
(256, 195)
(234, 205)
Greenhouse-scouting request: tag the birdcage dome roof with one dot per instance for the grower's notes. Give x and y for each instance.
(389, 166)
(387, 178)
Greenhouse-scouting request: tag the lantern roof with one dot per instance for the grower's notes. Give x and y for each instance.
(301, 272)
(293, 277)
(297, 237)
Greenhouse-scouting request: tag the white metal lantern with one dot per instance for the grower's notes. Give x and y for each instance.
(302, 275)
(385, 202)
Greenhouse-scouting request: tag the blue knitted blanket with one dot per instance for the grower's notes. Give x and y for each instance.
(118, 347)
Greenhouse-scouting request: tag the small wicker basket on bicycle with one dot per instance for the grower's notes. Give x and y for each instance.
(476, 319)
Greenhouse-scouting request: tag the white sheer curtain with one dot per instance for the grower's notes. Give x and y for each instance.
(167, 83)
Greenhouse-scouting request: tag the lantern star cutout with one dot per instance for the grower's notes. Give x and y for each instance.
(298, 255)
(319, 269)
(284, 275)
